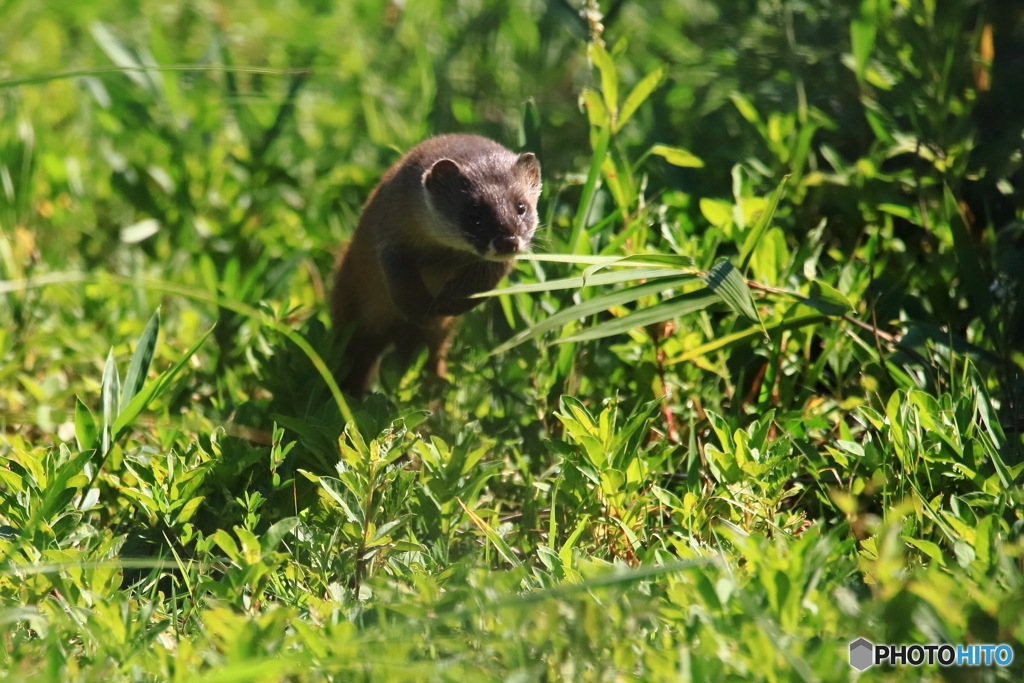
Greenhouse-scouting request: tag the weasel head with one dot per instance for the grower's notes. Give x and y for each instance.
(487, 207)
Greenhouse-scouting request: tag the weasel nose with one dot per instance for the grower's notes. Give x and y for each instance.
(506, 244)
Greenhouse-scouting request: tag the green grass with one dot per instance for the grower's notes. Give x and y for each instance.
(756, 395)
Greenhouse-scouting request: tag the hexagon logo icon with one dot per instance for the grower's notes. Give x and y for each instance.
(862, 654)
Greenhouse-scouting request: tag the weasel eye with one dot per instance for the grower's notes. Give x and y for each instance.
(520, 208)
(476, 214)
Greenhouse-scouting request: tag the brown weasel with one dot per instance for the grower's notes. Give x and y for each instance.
(443, 223)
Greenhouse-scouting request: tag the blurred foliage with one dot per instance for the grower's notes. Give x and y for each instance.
(759, 392)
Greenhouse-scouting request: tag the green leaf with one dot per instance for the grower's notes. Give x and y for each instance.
(142, 399)
(531, 139)
(763, 221)
(637, 97)
(745, 109)
(610, 278)
(665, 310)
(86, 433)
(565, 553)
(827, 299)
(110, 389)
(862, 36)
(578, 259)
(928, 548)
(227, 544)
(37, 79)
(671, 261)
(725, 281)
(120, 55)
(595, 305)
(141, 359)
(54, 492)
(609, 78)
(597, 112)
(276, 533)
(492, 536)
(189, 509)
(576, 244)
(677, 156)
(744, 336)
(614, 184)
(138, 232)
(717, 212)
(972, 274)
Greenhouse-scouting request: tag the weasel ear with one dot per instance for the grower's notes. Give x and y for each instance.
(528, 167)
(445, 173)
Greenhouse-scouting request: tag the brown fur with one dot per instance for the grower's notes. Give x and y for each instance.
(442, 225)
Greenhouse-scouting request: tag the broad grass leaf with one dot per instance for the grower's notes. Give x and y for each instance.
(141, 359)
(863, 29)
(552, 561)
(827, 299)
(55, 494)
(595, 305)
(724, 280)
(918, 332)
(227, 544)
(276, 533)
(578, 259)
(142, 399)
(677, 156)
(86, 433)
(972, 275)
(746, 336)
(334, 489)
(614, 183)
(189, 509)
(665, 310)
(531, 128)
(110, 390)
(638, 96)
(600, 143)
(597, 112)
(673, 261)
(770, 257)
(492, 536)
(95, 85)
(930, 549)
(609, 78)
(611, 278)
(566, 550)
(120, 55)
(717, 212)
(140, 231)
(745, 109)
(580, 412)
(594, 450)
(763, 221)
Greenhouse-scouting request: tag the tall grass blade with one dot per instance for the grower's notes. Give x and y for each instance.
(666, 310)
(492, 536)
(577, 282)
(86, 434)
(587, 197)
(763, 221)
(141, 359)
(142, 399)
(595, 305)
(110, 390)
(745, 336)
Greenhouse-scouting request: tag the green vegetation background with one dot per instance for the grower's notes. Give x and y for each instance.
(808, 432)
